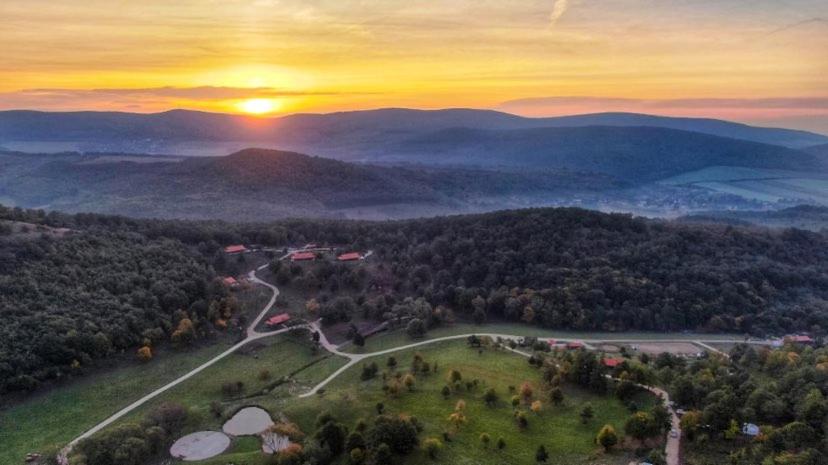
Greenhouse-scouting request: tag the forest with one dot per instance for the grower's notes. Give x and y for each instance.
(116, 284)
(68, 301)
(780, 391)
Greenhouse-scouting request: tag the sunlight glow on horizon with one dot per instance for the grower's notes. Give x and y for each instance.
(259, 106)
(323, 56)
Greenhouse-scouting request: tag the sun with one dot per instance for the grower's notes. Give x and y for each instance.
(258, 106)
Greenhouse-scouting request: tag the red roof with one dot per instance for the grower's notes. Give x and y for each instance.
(278, 319)
(303, 256)
(612, 362)
(574, 345)
(229, 281)
(346, 257)
(800, 338)
(235, 248)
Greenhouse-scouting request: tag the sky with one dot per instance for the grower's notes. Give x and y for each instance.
(758, 61)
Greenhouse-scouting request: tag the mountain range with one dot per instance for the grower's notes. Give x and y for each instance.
(355, 135)
(401, 163)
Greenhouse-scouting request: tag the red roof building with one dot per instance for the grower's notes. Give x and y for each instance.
(277, 319)
(238, 248)
(302, 256)
(350, 256)
(230, 281)
(574, 345)
(612, 362)
(799, 339)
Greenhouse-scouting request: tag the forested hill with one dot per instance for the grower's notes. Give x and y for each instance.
(559, 268)
(69, 298)
(268, 184)
(637, 154)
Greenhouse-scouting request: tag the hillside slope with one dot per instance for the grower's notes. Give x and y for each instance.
(262, 184)
(633, 153)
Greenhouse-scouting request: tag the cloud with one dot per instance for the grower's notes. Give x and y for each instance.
(147, 98)
(782, 103)
(558, 9)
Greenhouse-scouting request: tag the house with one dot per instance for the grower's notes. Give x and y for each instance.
(302, 256)
(350, 256)
(311, 245)
(234, 249)
(277, 319)
(230, 281)
(574, 345)
(749, 429)
(799, 339)
(612, 362)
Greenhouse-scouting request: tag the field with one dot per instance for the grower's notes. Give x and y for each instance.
(49, 420)
(559, 429)
(291, 370)
(389, 339)
(758, 184)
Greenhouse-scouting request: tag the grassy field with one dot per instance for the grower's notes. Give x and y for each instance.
(758, 184)
(396, 338)
(53, 418)
(292, 369)
(558, 428)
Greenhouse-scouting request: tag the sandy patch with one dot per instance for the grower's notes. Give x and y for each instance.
(670, 347)
(199, 446)
(248, 421)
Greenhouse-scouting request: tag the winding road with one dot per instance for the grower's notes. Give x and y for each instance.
(672, 446)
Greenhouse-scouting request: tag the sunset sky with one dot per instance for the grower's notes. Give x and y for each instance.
(759, 61)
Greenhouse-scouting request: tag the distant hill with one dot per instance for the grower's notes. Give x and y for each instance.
(809, 217)
(345, 135)
(258, 184)
(819, 150)
(636, 154)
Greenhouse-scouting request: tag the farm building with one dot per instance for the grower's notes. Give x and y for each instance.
(612, 362)
(234, 249)
(277, 319)
(799, 339)
(350, 256)
(302, 256)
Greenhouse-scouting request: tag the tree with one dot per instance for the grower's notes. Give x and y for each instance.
(332, 435)
(641, 425)
(398, 432)
(446, 391)
(454, 376)
(490, 397)
(408, 381)
(144, 354)
(520, 418)
(391, 363)
(607, 437)
(556, 395)
(536, 406)
(501, 443)
(432, 447)
(690, 422)
(541, 456)
(312, 307)
(526, 391)
(382, 455)
(415, 328)
(587, 413)
(358, 339)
